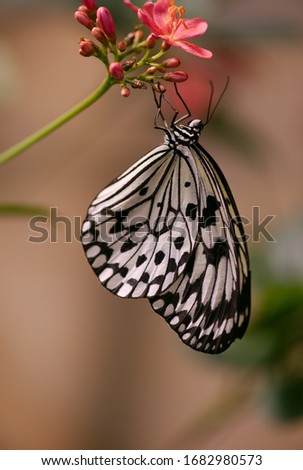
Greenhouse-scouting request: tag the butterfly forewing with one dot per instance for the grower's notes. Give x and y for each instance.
(140, 230)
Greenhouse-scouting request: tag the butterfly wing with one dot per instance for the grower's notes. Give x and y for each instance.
(209, 303)
(141, 230)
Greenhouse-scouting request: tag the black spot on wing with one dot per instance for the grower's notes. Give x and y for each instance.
(191, 211)
(145, 277)
(179, 242)
(160, 255)
(127, 245)
(123, 271)
(171, 267)
(184, 258)
(143, 191)
(209, 212)
(141, 259)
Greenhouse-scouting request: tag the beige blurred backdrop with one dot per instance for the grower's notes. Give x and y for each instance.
(80, 368)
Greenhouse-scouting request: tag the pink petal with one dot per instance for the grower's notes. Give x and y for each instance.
(146, 16)
(190, 29)
(161, 16)
(193, 49)
(129, 5)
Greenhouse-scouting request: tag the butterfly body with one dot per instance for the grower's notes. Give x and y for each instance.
(168, 229)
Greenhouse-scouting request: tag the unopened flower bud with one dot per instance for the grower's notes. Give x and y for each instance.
(84, 9)
(171, 63)
(176, 77)
(165, 46)
(151, 70)
(84, 19)
(99, 35)
(105, 20)
(125, 91)
(121, 46)
(90, 4)
(151, 41)
(116, 70)
(139, 35)
(87, 48)
(129, 38)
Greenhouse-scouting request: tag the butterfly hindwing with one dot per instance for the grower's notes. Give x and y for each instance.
(208, 305)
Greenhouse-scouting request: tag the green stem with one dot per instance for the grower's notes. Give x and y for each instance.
(157, 56)
(13, 209)
(58, 122)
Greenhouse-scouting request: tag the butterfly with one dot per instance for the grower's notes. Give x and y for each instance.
(168, 229)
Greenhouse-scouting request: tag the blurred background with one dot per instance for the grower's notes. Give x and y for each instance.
(82, 369)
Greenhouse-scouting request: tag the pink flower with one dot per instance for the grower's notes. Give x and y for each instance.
(165, 21)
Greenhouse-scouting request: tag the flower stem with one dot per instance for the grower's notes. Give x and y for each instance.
(56, 123)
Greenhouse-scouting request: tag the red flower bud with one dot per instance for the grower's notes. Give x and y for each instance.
(84, 19)
(125, 92)
(99, 35)
(84, 9)
(165, 46)
(105, 20)
(151, 70)
(171, 63)
(87, 48)
(151, 41)
(129, 38)
(139, 35)
(121, 46)
(116, 70)
(176, 77)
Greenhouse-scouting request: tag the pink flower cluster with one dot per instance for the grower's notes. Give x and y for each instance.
(99, 21)
(165, 21)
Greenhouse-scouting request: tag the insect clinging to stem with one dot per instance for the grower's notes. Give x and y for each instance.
(168, 229)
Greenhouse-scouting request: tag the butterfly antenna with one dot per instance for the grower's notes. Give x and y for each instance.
(211, 96)
(209, 112)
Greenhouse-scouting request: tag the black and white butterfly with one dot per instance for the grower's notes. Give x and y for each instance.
(168, 229)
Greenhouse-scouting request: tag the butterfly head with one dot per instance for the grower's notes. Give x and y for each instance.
(196, 125)
(186, 134)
